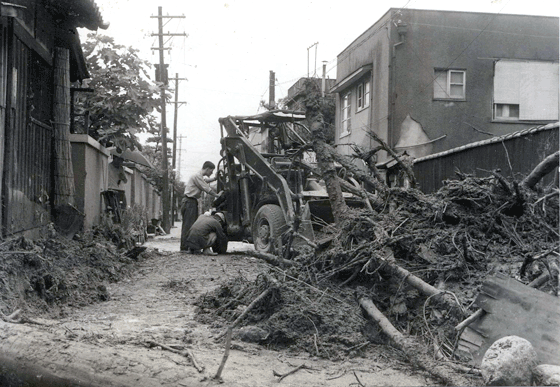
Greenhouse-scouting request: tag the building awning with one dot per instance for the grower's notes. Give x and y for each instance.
(339, 86)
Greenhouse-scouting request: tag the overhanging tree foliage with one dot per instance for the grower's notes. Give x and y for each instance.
(123, 97)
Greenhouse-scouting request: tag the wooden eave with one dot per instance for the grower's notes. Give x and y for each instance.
(77, 13)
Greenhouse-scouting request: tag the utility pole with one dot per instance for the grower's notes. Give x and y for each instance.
(174, 165)
(271, 86)
(166, 221)
(324, 81)
(313, 45)
(180, 152)
(177, 104)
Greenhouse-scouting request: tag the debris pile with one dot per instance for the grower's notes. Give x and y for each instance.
(42, 276)
(420, 258)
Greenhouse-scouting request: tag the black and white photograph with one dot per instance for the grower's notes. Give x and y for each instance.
(305, 193)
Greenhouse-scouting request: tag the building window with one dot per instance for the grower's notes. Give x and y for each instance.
(525, 91)
(362, 98)
(449, 84)
(345, 110)
(504, 111)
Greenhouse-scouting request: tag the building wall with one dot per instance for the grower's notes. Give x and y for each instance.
(143, 199)
(26, 130)
(370, 48)
(403, 111)
(128, 186)
(90, 161)
(469, 41)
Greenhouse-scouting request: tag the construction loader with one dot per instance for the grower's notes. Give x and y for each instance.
(270, 185)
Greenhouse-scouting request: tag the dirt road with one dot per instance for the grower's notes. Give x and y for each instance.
(107, 344)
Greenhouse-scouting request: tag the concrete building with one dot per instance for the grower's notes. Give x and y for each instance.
(429, 81)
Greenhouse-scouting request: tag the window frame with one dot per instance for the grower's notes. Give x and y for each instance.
(508, 118)
(363, 95)
(449, 83)
(346, 114)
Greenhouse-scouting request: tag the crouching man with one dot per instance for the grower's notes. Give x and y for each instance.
(208, 232)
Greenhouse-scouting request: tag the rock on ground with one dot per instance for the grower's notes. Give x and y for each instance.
(509, 361)
(547, 375)
(252, 334)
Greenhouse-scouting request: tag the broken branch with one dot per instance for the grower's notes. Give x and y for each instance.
(218, 375)
(282, 376)
(399, 161)
(247, 309)
(419, 284)
(187, 353)
(405, 344)
(465, 323)
(541, 170)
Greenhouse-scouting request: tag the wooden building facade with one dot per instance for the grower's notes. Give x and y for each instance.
(40, 55)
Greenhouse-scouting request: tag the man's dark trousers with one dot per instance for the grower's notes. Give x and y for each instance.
(190, 214)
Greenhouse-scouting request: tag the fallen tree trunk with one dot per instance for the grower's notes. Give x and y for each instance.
(546, 166)
(328, 172)
(413, 351)
(321, 131)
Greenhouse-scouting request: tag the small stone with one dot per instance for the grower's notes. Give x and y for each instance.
(252, 334)
(547, 375)
(509, 361)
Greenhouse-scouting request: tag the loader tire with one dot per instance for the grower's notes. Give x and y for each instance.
(268, 226)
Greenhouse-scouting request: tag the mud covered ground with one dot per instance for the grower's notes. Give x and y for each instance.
(91, 315)
(88, 310)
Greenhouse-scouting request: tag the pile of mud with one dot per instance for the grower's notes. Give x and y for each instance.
(453, 240)
(40, 277)
(293, 316)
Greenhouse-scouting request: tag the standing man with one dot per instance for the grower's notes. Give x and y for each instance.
(189, 206)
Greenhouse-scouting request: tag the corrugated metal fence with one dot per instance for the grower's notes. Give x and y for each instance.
(515, 154)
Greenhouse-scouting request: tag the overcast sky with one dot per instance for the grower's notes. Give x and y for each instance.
(233, 45)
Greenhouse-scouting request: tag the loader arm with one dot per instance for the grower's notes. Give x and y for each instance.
(239, 146)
